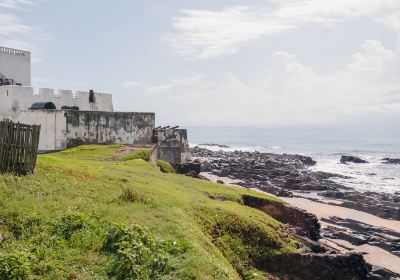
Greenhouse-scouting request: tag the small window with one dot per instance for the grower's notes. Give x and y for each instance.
(91, 96)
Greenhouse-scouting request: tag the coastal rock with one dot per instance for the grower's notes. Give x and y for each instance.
(391, 160)
(358, 233)
(318, 266)
(283, 174)
(346, 159)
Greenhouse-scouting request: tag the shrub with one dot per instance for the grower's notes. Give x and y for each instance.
(129, 195)
(144, 154)
(135, 253)
(165, 167)
(15, 265)
(69, 224)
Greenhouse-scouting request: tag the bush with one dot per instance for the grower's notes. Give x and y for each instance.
(69, 224)
(129, 195)
(15, 265)
(135, 253)
(165, 167)
(144, 154)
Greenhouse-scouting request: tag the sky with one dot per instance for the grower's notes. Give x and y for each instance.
(207, 62)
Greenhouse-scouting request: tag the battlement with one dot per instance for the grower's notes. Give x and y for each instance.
(14, 99)
(15, 65)
(14, 51)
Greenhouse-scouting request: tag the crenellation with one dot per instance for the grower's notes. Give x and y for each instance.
(80, 117)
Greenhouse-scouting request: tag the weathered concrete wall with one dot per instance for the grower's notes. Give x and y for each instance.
(85, 127)
(16, 64)
(172, 145)
(53, 127)
(14, 99)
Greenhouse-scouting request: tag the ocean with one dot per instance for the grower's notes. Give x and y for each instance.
(325, 144)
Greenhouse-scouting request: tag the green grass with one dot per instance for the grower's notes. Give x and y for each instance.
(55, 223)
(144, 154)
(165, 167)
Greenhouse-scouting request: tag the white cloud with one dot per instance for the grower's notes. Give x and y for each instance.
(16, 33)
(203, 34)
(291, 93)
(130, 84)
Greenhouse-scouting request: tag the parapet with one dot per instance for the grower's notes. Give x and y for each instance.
(14, 51)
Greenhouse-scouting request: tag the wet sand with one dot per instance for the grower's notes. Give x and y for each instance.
(322, 210)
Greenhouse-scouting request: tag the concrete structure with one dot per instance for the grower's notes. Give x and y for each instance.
(172, 145)
(63, 129)
(15, 99)
(16, 64)
(82, 117)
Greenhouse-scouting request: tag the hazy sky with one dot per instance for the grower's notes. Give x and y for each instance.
(219, 62)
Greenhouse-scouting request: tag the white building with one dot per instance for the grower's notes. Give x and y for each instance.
(16, 65)
(69, 119)
(80, 117)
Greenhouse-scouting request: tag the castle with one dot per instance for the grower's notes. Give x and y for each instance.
(69, 119)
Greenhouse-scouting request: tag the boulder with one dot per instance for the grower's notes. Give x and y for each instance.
(346, 159)
(391, 160)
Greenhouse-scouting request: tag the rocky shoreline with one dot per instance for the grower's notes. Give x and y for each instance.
(287, 175)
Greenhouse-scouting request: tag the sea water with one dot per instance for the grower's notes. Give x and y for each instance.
(325, 144)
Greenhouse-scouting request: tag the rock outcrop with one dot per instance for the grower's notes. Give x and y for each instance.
(346, 159)
(303, 222)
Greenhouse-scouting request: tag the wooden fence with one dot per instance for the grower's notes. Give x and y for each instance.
(18, 147)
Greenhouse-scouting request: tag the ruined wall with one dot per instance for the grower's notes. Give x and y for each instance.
(172, 145)
(86, 127)
(14, 99)
(16, 64)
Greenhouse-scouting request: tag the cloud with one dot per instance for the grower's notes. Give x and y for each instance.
(14, 4)
(15, 32)
(203, 34)
(368, 86)
(130, 84)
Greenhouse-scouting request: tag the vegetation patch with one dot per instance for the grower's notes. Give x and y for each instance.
(165, 167)
(137, 254)
(247, 244)
(144, 154)
(55, 224)
(129, 195)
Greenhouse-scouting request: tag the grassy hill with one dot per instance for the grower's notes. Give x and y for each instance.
(85, 215)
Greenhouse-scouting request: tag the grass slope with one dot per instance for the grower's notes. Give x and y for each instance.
(56, 224)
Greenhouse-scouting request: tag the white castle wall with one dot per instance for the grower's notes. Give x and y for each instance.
(16, 64)
(53, 127)
(14, 99)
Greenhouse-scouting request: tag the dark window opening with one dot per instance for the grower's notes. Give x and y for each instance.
(91, 96)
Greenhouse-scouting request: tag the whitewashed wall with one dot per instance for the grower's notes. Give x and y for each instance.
(16, 64)
(14, 99)
(53, 127)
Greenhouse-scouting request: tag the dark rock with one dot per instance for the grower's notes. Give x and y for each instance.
(391, 160)
(220, 182)
(307, 224)
(184, 168)
(317, 266)
(224, 172)
(383, 273)
(346, 159)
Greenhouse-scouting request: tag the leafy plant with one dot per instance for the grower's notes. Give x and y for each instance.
(136, 253)
(15, 265)
(165, 167)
